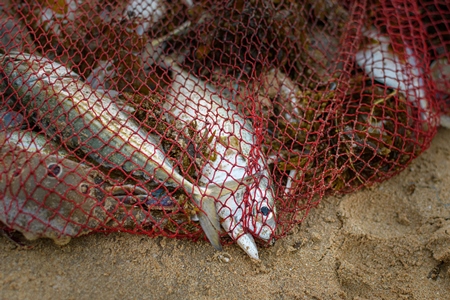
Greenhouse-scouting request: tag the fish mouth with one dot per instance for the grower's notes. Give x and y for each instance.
(247, 243)
(262, 230)
(266, 233)
(245, 240)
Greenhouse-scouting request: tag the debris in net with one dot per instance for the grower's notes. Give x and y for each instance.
(99, 76)
(232, 24)
(125, 73)
(369, 138)
(319, 58)
(14, 35)
(296, 123)
(128, 72)
(93, 33)
(434, 17)
(145, 13)
(153, 50)
(377, 136)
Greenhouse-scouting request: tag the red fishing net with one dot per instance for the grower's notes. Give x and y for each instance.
(230, 118)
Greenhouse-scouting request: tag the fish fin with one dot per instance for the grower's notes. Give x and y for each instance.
(228, 186)
(209, 207)
(209, 220)
(211, 233)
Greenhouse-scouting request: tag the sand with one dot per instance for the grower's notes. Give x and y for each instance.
(391, 241)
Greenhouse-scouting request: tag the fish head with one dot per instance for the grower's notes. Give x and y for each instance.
(260, 217)
(40, 175)
(48, 196)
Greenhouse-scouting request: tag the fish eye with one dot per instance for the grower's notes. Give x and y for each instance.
(54, 170)
(265, 211)
(84, 188)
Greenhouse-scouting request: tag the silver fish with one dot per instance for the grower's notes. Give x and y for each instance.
(234, 156)
(64, 106)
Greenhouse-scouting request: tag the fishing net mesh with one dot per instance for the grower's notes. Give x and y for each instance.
(335, 96)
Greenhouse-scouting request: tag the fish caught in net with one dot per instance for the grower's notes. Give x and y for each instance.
(219, 120)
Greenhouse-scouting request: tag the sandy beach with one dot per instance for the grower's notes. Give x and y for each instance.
(387, 242)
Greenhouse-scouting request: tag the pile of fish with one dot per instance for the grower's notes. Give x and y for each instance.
(158, 133)
(67, 110)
